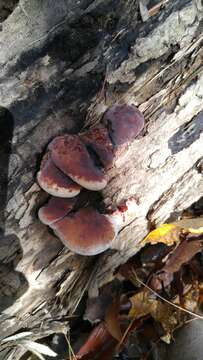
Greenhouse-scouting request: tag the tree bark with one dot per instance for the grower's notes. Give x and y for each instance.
(62, 64)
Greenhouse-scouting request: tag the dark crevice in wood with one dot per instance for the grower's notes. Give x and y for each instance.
(6, 8)
(187, 134)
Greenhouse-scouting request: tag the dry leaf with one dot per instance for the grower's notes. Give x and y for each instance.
(193, 225)
(144, 303)
(178, 257)
(191, 299)
(165, 233)
(112, 320)
(98, 344)
(181, 255)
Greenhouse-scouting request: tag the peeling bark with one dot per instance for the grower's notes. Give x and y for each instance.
(63, 65)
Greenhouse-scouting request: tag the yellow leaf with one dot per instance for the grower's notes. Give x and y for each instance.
(141, 305)
(165, 233)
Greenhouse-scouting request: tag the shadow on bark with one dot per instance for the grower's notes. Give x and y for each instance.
(6, 134)
(12, 283)
(6, 8)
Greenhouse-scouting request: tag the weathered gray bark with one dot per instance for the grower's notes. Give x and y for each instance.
(62, 64)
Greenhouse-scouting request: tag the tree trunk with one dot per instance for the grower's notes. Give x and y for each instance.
(62, 64)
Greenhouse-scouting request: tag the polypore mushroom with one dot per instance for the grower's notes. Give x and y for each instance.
(124, 123)
(83, 159)
(70, 155)
(86, 232)
(97, 140)
(55, 182)
(55, 209)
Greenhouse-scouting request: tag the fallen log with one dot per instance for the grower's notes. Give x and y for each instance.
(62, 65)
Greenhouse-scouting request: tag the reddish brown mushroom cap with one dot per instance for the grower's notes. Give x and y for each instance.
(55, 209)
(70, 155)
(98, 140)
(86, 232)
(55, 182)
(124, 122)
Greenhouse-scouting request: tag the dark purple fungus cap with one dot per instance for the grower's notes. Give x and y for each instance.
(54, 181)
(56, 209)
(124, 123)
(71, 156)
(98, 140)
(86, 232)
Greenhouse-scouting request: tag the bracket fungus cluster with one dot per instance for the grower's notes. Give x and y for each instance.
(76, 162)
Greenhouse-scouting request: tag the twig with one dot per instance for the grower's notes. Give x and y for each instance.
(70, 349)
(154, 10)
